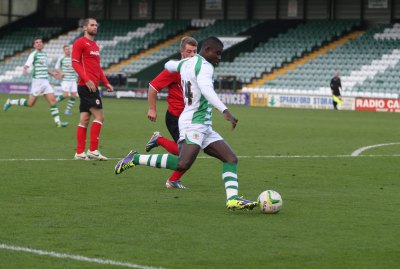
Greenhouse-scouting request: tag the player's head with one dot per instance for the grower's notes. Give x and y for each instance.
(337, 74)
(67, 50)
(211, 50)
(188, 47)
(90, 26)
(38, 43)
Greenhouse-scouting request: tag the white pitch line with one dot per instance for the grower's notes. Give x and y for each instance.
(243, 157)
(76, 257)
(48, 159)
(361, 150)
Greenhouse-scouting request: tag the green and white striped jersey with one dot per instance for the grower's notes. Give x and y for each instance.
(37, 60)
(65, 65)
(198, 89)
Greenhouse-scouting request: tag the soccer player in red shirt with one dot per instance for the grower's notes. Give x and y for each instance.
(165, 79)
(86, 62)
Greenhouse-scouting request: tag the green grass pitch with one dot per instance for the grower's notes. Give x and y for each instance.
(339, 211)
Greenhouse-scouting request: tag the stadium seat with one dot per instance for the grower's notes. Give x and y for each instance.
(368, 66)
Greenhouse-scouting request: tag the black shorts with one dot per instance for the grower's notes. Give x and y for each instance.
(172, 125)
(89, 99)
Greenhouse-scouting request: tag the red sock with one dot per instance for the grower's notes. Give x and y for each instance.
(176, 175)
(81, 139)
(95, 135)
(169, 145)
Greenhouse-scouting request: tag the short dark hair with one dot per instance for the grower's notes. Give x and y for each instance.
(212, 40)
(86, 21)
(36, 38)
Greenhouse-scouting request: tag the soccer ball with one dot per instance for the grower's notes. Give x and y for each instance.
(270, 202)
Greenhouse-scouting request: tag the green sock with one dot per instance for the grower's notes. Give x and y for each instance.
(19, 102)
(60, 98)
(168, 161)
(229, 175)
(54, 112)
(70, 103)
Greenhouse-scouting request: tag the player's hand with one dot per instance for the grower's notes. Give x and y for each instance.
(229, 117)
(110, 88)
(57, 76)
(91, 86)
(152, 115)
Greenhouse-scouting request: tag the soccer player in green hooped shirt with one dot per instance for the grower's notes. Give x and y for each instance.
(68, 84)
(195, 124)
(37, 60)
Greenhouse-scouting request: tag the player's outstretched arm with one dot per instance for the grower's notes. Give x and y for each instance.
(152, 97)
(205, 82)
(28, 63)
(58, 70)
(229, 117)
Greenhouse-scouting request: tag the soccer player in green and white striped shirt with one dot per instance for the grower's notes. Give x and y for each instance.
(68, 83)
(195, 124)
(37, 60)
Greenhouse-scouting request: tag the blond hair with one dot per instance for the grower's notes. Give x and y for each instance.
(188, 40)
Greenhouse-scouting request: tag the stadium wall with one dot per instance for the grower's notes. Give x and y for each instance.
(186, 9)
(224, 9)
(396, 10)
(250, 99)
(302, 101)
(317, 9)
(141, 10)
(291, 9)
(164, 9)
(235, 9)
(122, 10)
(376, 13)
(210, 11)
(265, 9)
(345, 9)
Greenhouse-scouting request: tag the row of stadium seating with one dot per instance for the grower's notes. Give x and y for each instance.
(367, 66)
(389, 33)
(22, 39)
(284, 48)
(11, 71)
(126, 44)
(120, 41)
(215, 27)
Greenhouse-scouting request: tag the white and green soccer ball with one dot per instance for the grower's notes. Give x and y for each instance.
(270, 202)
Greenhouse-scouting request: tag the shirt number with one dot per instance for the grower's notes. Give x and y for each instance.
(188, 91)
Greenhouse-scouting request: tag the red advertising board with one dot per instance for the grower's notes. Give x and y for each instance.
(377, 104)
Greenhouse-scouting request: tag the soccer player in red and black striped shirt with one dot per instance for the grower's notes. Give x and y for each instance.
(172, 81)
(86, 62)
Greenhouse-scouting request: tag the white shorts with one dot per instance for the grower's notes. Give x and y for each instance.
(69, 86)
(199, 134)
(40, 86)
